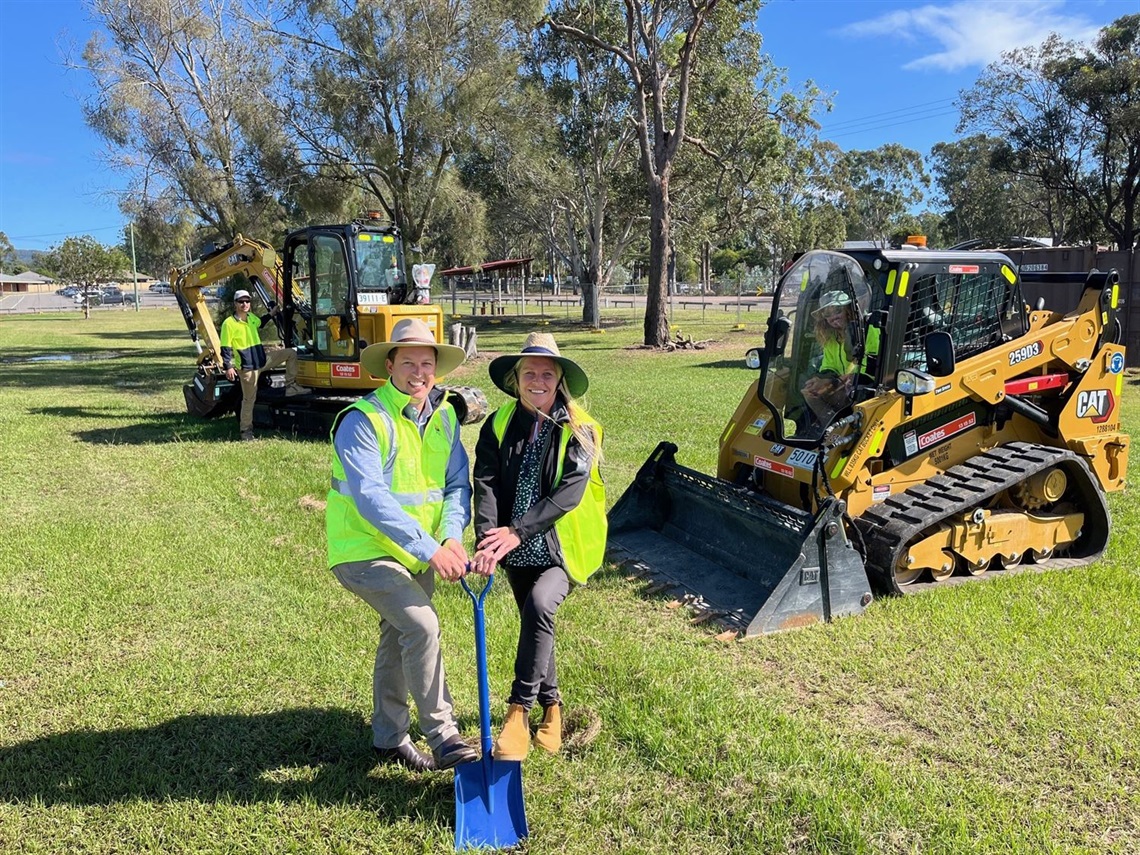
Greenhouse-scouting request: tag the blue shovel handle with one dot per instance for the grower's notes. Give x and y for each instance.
(481, 663)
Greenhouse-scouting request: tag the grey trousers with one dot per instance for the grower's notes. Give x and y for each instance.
(538, 594)
(408, 656)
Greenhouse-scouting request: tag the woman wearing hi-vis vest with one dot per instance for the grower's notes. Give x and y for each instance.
(540, 513)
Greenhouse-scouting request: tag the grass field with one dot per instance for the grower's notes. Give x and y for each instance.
(180, 673)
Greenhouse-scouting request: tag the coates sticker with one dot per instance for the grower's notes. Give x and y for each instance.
(1095, 405)
(1116, 364)
(881, 493)
(947, 430)
(773, 466)
(964, 268)
(346, 369)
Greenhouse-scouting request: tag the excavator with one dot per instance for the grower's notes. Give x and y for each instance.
(963, 435)
(340, 288)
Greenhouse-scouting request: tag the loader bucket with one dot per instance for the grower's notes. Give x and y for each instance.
(747, 561)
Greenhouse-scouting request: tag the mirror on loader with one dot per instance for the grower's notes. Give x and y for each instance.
(940, 353)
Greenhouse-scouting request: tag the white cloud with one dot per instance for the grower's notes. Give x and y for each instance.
(973, 32)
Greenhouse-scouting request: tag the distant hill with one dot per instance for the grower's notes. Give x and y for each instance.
(29, 256)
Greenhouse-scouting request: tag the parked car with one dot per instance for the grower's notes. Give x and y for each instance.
(68, 291)
(161, 288)
(91, 296)
(115, 297)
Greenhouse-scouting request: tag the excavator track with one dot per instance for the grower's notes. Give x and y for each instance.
(891, 527)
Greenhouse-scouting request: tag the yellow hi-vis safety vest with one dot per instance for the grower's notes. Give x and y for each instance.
(581, 531)
(416, 468)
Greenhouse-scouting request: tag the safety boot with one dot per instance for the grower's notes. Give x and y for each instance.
(514, 739)
(548, 737)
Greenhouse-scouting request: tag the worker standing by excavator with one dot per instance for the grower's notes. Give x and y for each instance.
(244, 355)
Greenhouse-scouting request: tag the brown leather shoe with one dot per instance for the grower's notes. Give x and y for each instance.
(453, 751)
(407, 755)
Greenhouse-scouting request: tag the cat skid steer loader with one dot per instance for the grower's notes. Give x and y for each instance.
(964, 435)
(341, 288)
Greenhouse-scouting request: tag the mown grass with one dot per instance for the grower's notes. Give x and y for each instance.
(180, 673)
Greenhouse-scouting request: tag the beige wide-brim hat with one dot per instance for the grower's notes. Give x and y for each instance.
(539, 344)
(832, 300)
(411, 332)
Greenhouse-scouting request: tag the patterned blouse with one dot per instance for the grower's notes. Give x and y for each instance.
(533, 552)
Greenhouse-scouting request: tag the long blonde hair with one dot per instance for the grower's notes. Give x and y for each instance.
(825, 332)
(578, 426)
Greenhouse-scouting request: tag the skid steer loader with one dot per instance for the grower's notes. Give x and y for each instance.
(961, 434)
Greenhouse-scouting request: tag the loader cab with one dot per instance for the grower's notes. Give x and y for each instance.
(972, 299)
(821, 349)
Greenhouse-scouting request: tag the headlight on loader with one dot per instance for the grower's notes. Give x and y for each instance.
(911, 381)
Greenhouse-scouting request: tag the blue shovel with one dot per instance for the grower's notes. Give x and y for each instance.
(489, 809)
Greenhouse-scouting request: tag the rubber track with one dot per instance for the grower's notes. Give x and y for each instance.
(888, 528)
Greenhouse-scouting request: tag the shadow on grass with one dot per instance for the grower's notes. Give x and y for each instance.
(318, 755)
(154, 429)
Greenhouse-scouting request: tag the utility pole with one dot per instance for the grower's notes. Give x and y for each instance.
(134, 266)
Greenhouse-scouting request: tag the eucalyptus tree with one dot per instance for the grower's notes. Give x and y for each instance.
(1069, 116)
(383, 95)
(769, 182)
(979, 201)
(162, 231)
(85, 262)
(175, 83)
(884, 185)
(592, 137)
(658, 47)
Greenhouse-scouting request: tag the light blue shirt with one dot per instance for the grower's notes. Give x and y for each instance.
(359, 452)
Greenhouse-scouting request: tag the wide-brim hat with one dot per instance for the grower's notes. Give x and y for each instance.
(411, 332)
(539, 344)
(832, 300)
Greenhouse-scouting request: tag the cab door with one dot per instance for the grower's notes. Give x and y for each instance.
(319, 265)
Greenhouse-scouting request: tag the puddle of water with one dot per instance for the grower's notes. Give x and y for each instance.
(63, 357)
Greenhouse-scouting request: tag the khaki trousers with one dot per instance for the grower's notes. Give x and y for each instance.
(408, 658)
(286, 356)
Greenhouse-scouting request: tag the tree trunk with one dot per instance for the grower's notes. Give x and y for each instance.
(656, 317)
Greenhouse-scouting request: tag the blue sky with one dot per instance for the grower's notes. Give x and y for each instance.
(894, 69)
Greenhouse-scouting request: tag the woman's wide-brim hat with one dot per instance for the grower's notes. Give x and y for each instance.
(411, 332)
(832, 300)
(539, 344)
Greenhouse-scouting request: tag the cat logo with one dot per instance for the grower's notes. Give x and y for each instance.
(1095, 405)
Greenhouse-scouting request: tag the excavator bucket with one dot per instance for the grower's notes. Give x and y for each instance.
(735, 556)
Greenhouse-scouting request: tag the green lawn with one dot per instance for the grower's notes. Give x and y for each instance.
(180, 673)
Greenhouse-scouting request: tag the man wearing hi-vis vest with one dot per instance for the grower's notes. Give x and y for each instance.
(399, 501)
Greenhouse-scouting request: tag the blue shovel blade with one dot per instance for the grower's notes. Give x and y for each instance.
(489, 808)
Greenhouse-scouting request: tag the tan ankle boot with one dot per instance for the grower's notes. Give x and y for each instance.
(514, 739)
(549, 735)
